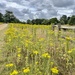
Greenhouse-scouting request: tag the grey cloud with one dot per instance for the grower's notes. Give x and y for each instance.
(16, 12)
(20, 2)
(48, 14)
(2, 5)
(52, 12)
(40, 15)
(73, 13)
(38, 8)
(26, 11)
(62, 3)
(40, 4)
(16, 1)
(22, 15)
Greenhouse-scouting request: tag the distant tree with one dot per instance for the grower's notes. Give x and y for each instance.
(63, 19)
(72, 20)
(39, 21)
(45, 22)
(33, 21)
(29, 21)
(54, 20)
(68, 18)
(49, 21)
(1, 17)
(9, 17)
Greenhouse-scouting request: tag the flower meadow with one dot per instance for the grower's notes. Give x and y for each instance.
(38, 50)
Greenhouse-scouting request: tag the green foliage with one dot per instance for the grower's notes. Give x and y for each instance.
(9, 17)
(28, 21)
(43, 21)
(1, 17)
(54, 20)
(63, 19)
(72, 20)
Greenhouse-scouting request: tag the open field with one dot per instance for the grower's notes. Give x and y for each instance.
(36, 50)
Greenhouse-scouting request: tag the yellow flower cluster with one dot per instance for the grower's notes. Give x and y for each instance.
(9, 65)
(15, 72)
(46, 55)
(68, 38)
(35, 52)
(55, 70)
(26, 70)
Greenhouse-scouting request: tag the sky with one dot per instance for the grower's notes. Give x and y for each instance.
(32, 9)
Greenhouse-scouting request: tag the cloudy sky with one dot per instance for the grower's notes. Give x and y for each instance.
(31, 9)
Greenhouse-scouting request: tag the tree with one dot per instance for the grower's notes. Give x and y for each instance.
(63, 19)
(29, 21)
(33, 21)
(10, 18)
(72, 20)
(1, 17)
(54, 20)
(45, 22)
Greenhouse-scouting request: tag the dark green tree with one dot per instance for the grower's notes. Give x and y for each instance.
(1, 17)
(72, 20)
(63, 19)
(54, 20)
(10, 18)
(29, 21)
(45, 22)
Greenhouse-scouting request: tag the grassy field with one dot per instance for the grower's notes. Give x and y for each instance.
(36, 50)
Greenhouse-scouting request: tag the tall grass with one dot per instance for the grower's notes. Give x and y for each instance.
(36, 50)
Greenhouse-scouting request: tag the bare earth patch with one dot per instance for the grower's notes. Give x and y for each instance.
(3, 26)
(2, 58)
(2, 30)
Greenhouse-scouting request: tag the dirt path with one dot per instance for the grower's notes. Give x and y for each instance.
(2, 26)
(2, 31)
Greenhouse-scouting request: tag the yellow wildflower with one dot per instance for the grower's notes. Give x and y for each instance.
(35, 52)
(68, 38)
(19, 55)
(9, 65)
(54, 70)
(51, 63)
(19, 49)
(70, 51)
(46, 55)
(41, 39)
(15, 72)
(9, 40)
(36, 62)
(26, 70)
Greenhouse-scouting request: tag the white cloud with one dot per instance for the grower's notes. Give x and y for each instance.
(65, 11)
(30, 9)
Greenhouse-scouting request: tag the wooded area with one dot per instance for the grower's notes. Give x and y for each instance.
(9, 17)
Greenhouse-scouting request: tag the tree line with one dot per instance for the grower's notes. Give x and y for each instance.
(9, 17)
(63, 20)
